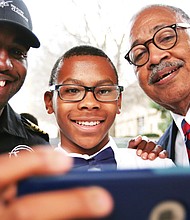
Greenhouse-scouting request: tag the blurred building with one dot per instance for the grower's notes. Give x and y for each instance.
(137, 115)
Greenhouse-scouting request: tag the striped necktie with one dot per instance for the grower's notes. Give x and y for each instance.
(186, 130)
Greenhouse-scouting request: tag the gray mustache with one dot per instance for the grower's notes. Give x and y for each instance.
(161, 66)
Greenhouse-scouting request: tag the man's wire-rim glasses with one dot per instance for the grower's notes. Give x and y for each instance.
(164, 39)
(76, 93)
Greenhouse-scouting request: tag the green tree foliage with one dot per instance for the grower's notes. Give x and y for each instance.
(164, 114)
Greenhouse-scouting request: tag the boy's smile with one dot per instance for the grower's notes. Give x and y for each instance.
(88, 123)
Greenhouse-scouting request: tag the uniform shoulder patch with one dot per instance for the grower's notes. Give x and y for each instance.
(32, 126)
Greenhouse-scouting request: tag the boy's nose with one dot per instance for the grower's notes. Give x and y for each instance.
(89, 102)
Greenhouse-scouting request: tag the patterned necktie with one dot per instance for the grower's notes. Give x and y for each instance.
(186, 130)
(104, 160)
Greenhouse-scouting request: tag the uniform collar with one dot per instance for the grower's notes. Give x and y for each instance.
(11, 122)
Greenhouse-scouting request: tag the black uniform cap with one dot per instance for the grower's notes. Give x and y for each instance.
(16, 13)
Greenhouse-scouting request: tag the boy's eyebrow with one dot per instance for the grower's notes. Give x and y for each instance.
(105, 81)
(71, 80)
(79, 82)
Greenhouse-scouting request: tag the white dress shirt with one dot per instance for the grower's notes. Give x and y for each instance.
(126, 158)
(181, 157)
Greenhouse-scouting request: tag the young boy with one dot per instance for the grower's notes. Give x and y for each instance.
(85, 98)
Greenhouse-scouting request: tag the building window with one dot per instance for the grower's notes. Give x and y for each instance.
(140, 125)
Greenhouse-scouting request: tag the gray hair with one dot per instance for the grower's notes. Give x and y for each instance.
(178, 11)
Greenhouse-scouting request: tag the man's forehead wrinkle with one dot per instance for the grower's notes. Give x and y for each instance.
(138, 31)
(145, 23)
(149, 31)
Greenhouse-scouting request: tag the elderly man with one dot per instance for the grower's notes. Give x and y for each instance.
(160, 50)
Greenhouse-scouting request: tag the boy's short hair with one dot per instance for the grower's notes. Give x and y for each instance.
(79, 51)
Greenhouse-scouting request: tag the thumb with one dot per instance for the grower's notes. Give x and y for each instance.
(133, 143)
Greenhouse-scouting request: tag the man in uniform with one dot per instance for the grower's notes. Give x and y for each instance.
(16, 38)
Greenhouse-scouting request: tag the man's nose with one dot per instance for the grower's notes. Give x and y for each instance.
(5, 60)
(156, 55)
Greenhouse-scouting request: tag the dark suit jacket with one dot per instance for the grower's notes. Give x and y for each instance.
(167, 140)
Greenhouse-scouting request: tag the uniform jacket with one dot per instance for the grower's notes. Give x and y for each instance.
(167, 140)
(15, 130)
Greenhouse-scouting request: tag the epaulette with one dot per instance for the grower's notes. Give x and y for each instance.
(31, 126)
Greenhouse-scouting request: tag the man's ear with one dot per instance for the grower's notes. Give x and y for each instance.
(48, 99)
(119, 101)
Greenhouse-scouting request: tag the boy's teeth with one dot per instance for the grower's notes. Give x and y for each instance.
(2, 83)
(88, 123)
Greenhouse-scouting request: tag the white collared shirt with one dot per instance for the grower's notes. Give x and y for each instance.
(181, 157)
(126, 158)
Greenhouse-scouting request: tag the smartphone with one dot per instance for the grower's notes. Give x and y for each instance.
(151, 194)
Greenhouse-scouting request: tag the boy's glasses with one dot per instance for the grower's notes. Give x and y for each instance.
(76, 93)
(164, 39)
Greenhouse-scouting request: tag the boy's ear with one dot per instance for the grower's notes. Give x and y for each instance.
(48, 99)
(119, 104)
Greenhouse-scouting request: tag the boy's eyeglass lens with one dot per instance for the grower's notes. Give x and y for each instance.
(75, 93)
